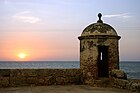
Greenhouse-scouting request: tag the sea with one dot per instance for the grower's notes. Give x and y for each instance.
(132, 68)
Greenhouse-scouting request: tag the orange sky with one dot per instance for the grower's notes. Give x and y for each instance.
(36, 46)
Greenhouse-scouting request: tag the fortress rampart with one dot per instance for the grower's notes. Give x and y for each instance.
(25, 77)
(47, 77)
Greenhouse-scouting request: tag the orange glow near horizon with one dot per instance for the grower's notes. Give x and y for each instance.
(27, 46)
(24, 46)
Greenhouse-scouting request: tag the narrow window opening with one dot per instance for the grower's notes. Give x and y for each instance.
(101, 56)
(103, 61)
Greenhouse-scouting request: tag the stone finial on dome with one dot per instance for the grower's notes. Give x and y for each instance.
(99, 21)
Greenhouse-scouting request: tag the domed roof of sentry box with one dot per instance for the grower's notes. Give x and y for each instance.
(99, 28)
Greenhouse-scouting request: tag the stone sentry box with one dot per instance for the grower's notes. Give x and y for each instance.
(99, 53)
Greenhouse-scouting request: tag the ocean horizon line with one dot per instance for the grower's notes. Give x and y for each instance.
(53, 61)
(37, 61)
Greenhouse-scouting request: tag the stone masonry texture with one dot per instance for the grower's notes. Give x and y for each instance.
(25, 77)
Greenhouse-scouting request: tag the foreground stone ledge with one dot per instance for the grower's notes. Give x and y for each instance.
(26, 77)
(46, 77)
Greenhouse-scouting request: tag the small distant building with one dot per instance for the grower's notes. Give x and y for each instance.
(99, 53)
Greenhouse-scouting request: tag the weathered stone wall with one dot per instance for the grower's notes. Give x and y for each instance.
(88, 60)
(113, 54)
(125, 84)
(23, 77)
(26, 77)
(118, 79)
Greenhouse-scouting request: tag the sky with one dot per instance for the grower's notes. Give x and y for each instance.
(49, 29)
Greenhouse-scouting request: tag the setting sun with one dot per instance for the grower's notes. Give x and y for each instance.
(22, 55)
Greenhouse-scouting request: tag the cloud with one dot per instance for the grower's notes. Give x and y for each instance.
(26, 17)
(124, 15)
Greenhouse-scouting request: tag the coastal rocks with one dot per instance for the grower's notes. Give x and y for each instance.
(118, 74)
